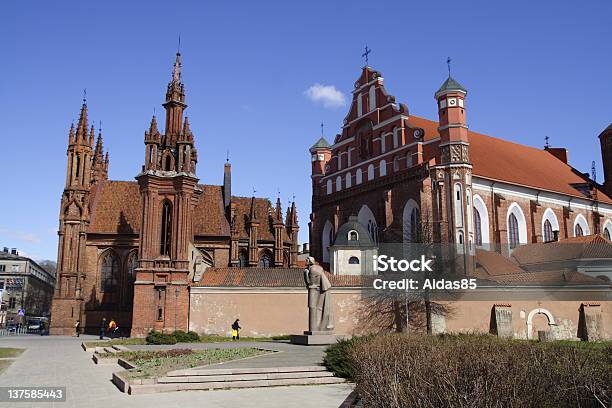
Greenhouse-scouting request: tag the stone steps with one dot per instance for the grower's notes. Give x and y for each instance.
(215, 379)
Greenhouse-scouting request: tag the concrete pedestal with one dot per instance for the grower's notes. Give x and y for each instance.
(314, 338)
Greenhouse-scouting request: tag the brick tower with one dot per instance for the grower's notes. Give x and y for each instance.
(74, 218)
(452, 176)
(169, 194)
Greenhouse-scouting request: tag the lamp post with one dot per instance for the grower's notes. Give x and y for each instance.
(176, 295)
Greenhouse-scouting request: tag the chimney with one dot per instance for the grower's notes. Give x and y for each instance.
(14, 251)
(5, 249)
(305, 248)
(227, 185)
(559, 152)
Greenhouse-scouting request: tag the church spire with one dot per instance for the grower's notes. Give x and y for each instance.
(175, 102)
(82, 125)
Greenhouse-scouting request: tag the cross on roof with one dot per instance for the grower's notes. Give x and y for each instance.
(366, 53)
(448, 63)
(321, 129)
(84, 95)
(546, 139)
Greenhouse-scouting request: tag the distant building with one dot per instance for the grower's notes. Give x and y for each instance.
(24, 285)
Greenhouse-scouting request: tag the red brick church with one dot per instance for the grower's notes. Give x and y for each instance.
(130, 250)
(391, 170)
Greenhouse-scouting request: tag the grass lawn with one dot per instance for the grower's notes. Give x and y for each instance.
(150, 364)
(220, 339)
(7, 352)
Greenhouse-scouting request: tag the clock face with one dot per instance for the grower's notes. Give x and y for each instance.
(452, 102)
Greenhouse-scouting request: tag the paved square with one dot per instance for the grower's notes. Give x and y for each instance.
(60, 361)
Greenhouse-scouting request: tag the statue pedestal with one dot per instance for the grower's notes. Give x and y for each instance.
(314, 338)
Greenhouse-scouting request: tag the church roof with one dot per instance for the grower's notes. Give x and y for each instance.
(500, 160)
(585, 247)
(116, 209)
(450, 85)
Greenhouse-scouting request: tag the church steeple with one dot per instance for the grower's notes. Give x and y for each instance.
(99, 167)
(175, 101)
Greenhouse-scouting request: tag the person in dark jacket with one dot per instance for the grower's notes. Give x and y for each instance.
(103, 328)
(77, 328)
(236, 330)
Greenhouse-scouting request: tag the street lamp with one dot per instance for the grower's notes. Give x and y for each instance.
(176, 295)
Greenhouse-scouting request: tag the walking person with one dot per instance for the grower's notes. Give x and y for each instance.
(103, 328)
(77, 328)
(236, 330)
(42, 327)
(111, 328)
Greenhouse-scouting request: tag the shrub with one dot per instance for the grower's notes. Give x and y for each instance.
(476, 371)
(337, 357)
(155, 337)
(189, 337)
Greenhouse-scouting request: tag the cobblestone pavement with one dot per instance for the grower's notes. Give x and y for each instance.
(60, 361)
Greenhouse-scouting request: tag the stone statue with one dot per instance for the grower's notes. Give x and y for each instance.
(319, 298)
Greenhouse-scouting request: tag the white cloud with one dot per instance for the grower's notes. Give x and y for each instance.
(328, 95)
(20, 235)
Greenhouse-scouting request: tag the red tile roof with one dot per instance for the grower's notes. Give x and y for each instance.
(586, 247)
(271, 277)
(514, 163)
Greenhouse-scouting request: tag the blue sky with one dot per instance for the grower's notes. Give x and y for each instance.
(531, 68)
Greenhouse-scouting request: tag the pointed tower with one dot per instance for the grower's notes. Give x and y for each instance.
(74, 218)
(253, 231)
(99, 165)
(169, 193)
(278, 225)
(292, 231)
(452, 176)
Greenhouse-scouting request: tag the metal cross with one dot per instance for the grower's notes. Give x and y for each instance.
(546, 139)
(321, 129)
(448, 62)
(84, 95)
(366, 53)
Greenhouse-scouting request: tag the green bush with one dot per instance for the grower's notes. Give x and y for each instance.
(403, 371)
(189, 337)
(337, 357)
(155, 337)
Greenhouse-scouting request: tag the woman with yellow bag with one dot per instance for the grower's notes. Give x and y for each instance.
(236, 330)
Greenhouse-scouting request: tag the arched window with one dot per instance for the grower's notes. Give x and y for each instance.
(338, 183)
(513, 231)
(383, 168)
(458, 206)
(606, 234)
(581, 227)
(168, 163)
(347, 180)
(366, 218)
(410, 220)
(329, 186)
(372, 98)
(578, 232)
(353, 260)
(265, 261)
(109, 272)
(326, 240)
(131, 276)
(383, 142)
(548, 231)
(358, 176)
(359, 105)
(353, 235)
(477, 227)
(242, 259)
(370, 172)
(396, 138)
(166, 228)
(396, 163)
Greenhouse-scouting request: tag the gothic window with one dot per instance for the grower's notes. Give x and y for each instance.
(477, 227)
(372, 98)
(396, 138)
(578, 231)
(353, 260)
(513, 231)
(383, 143)
(548, 231)
(329, 186)
(242, 259)
(370, 172)
(607, 234)
(109, 271)
(327, 238)
(131, 276)
(168, 163)
(265, 261)
(166, 228)
(396, 163)
(348, 180)
(358, 176)
(383, 168)
(338, 183)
